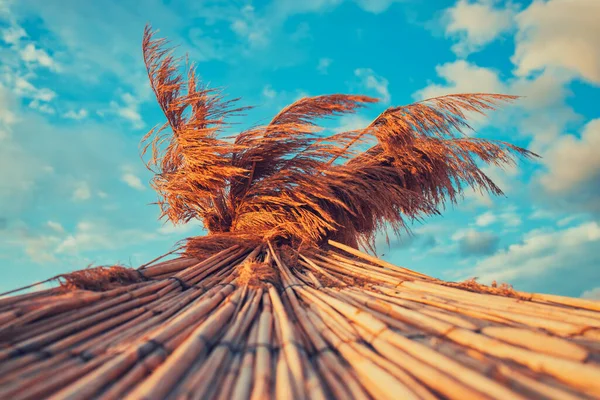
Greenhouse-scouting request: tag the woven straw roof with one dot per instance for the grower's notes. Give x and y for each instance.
(273, 323)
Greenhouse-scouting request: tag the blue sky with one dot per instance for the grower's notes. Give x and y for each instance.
(74, 103)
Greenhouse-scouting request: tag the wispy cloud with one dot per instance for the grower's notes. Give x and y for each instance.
(269, 92)
(475, 24)
(251, 27)
(323, 65)
(540, 252)
(34, 57)
(82, 191)
(508, 217)
(128, 108)
(373, 82)
(592, 294)
(133, 181)
(573, 167)
(575, 46)
(55, 226)
(76, 115)
(131, 178)
(13, 35)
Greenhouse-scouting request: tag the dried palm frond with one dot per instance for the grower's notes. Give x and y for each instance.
(195, 163)
(286, 182)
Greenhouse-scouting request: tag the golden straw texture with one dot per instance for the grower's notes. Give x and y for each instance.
(247, 324)
(288, 181)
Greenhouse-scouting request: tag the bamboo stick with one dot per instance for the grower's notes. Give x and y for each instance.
(288, 344)
(375, 260)
(160, 383)
(263, 363)
(583, 376)
(538, 341)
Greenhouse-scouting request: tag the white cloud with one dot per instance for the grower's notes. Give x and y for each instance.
(287, 8)
(39, 249)
(76, 115)
(462, 77)
(258, 28)
(84, 239)
(568, 220)
(34, 56)
(374, 82)
(300, 94)
(508, 218)
(269, 92)
(128, 109)
(352, 122)
(573, 161)
(82, 191)
(19, 169)
(34, 165)
(511, 219)
(592, 294)
(132, 181)
(98, 235)
(41, 107)
(559, 34)
(252, 28)
(376, 6)
(24, 88)
(506, 178)
(40, 98)
(7, 116)
(323, 65)
(544, 112)
(13, 35)
(541, 113)
(571, 180)
(539, 213)
(475, 24)
(486, 219)
(55, 226)
(110, 49)
(540, 252)
(73, 248)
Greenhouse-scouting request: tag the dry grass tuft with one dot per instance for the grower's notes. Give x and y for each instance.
(287, 183)
(100, 278)
(202, 247)
(504, 289)
(257, 274)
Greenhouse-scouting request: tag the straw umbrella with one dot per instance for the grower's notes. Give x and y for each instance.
(277, 301)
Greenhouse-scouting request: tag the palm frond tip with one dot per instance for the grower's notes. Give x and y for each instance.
(283, 182)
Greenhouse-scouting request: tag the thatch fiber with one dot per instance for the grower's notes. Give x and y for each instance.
(226, 327)
(287, 182)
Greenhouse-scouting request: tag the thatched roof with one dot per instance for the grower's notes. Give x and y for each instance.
(271, 322)
(276, 302)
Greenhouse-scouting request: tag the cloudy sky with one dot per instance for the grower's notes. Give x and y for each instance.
(74, 103)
